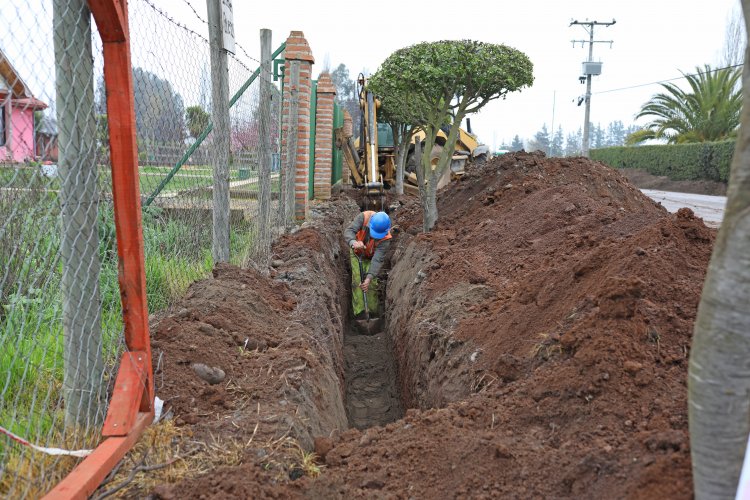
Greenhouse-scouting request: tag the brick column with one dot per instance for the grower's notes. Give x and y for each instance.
(324, 138)
(299, 61)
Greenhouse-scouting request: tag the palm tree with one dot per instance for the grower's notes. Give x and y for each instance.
(709, 111)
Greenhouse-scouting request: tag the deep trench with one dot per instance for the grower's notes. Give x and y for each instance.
(370, 371)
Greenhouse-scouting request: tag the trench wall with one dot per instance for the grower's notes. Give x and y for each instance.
(435, 367)
(315, 266)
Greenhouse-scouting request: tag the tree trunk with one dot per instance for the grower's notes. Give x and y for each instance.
(429, 195)
(421, 184)
(401, 156)
(719, 371)
(430, 208)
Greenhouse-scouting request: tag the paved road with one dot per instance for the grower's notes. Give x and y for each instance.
(708, 208)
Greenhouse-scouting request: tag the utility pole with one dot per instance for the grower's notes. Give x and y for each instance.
(220, 28)
(590, 68)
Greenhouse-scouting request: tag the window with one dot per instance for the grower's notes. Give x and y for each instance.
(2, 125)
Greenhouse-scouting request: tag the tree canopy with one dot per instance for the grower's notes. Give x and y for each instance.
(197, 120)
(434, 85)
(434, 78)
(159, 109)
(708, 111)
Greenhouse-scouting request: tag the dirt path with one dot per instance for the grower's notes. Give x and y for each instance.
(372, 397)
(643, 180)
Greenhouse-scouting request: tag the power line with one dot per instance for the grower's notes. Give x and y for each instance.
(184, 27)
(206, 22)
(665, 81)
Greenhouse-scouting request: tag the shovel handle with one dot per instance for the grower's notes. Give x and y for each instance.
(362, 280)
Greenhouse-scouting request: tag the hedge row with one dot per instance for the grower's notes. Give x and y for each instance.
(680, 162)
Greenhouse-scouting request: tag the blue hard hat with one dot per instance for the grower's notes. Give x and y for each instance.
(379, 225)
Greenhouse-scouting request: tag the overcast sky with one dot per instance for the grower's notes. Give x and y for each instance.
(653, 40)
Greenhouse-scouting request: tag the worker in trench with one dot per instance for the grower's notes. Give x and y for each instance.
(369, 237)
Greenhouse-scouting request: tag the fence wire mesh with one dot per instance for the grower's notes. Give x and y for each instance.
(60, 313)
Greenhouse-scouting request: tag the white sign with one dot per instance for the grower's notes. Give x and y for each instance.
(227, 26)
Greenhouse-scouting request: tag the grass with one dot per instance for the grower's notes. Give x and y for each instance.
(187, 178)
(167, 453)
(177, 252)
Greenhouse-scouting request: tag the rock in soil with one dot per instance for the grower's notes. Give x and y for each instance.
(212, 375)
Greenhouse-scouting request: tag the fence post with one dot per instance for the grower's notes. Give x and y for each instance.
(338, 123)
(296, 125)
(264, 131)
(220, 143)
(348, 131)
(324, 137)
(74, 70)
(289, 128)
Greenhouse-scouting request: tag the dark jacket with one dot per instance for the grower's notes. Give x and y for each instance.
(350, 235)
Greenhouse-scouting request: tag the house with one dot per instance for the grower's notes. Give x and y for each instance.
(17, 117)
(46, 139)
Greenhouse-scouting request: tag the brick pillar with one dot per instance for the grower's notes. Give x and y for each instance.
(324, 138)
(299, 60)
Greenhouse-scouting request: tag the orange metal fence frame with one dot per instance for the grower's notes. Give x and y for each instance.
(131, 405)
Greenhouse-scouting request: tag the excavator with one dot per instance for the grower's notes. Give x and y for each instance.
(371, 157)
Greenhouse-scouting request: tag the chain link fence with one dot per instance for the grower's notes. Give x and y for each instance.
(60, 310)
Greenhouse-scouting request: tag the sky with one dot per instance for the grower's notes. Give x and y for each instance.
(653, 40)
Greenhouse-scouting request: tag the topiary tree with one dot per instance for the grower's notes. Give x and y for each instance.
(437, 84)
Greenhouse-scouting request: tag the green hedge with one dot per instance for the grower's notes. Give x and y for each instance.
(680, 162)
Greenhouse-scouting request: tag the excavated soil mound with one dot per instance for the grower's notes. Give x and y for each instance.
(549, 318)
(541, 335)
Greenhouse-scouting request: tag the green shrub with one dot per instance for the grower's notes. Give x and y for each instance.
(680, 162)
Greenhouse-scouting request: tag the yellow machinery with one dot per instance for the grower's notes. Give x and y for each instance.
(371, 157)
(370, 161)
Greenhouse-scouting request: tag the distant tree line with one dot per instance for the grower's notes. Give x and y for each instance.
(562, 144)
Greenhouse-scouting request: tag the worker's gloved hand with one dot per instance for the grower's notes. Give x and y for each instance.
(357, 245)
(365, 284)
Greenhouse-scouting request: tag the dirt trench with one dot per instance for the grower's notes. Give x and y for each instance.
(372, 395)
(541, 336)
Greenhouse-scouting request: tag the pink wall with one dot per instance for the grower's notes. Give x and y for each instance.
(19, 136)
(22, 133)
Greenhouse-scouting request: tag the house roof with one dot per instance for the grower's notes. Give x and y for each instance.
(18, 87)
(29, 103)
(47, 126)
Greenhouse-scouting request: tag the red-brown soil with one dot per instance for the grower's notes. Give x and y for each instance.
(541, 334)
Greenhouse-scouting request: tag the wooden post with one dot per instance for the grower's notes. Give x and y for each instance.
(220, 143)
(264, 131)
(289, 141)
